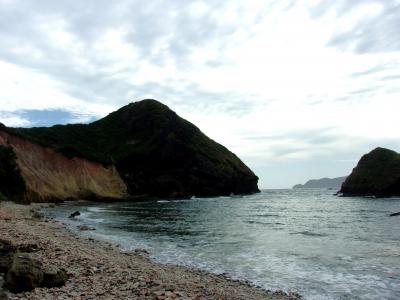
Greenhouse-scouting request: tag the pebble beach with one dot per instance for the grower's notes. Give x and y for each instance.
(100, 270)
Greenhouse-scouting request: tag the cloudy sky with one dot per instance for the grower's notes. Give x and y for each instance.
(297, 89)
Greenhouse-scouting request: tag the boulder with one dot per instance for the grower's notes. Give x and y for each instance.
(7, 251)
(85, 228)
(24, 274)
(54, 277)
(3, 296)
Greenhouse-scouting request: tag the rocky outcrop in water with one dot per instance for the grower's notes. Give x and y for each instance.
(142, 151)
(376, 174)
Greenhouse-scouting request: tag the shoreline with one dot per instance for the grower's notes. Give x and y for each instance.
(99, 270)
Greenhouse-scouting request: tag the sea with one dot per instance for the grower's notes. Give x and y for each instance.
(306, 241)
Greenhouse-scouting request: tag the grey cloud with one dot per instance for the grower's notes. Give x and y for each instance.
(370, 35)
(375, 69)
(390, 77)
(322, 143)
(194, 98)
(311, 135)
(368, 90)
(340, 7)
(25, 44)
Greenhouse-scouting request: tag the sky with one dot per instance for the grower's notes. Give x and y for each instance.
(297, 89)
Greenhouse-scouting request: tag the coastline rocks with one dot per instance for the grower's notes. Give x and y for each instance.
(12, 185)
(74, 214)
(23, 273)
(6, 255)
(85, 228)
(376, 174)
(53, 277)
(3, 295)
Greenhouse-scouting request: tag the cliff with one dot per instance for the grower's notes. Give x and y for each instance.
(376, 174)
(142, 150)
(50, 176)
(332, 183)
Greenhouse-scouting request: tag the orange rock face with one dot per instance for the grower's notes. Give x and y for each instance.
(50, 175)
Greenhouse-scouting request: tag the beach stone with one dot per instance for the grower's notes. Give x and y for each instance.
(28, 248)
(85, 228)
(25, 274)
(54, 277)
(7, 251)
(3, 296)
(37, 215)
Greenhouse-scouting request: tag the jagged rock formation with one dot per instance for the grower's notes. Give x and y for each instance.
(143, 150)
(376, 174)
(328, 183)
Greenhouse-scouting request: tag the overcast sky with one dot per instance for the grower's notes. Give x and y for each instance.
(297, 89)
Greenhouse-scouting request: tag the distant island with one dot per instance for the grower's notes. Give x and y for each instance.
(142, 151)
(333, 183)
(376, 174)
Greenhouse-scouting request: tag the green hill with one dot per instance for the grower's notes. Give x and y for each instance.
(376, 174)
(156, 153)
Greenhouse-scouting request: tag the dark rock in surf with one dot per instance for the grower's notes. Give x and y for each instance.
(74, 214)
(85, 228)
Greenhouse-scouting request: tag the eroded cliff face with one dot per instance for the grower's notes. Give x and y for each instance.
(50, 176)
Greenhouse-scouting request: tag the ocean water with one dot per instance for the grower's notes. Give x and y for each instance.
(305, 241)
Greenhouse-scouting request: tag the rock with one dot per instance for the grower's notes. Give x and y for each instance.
(7, 251)
(170, 294)
(141, 251)
(376, 174)
(28, 248)
(25, 274)
(3, 296)
(85, 228)
(12, 184)
(74, 214)
(394, 214)
(53, 277)
(37, 215)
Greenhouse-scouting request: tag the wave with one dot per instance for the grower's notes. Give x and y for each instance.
(310, 233)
